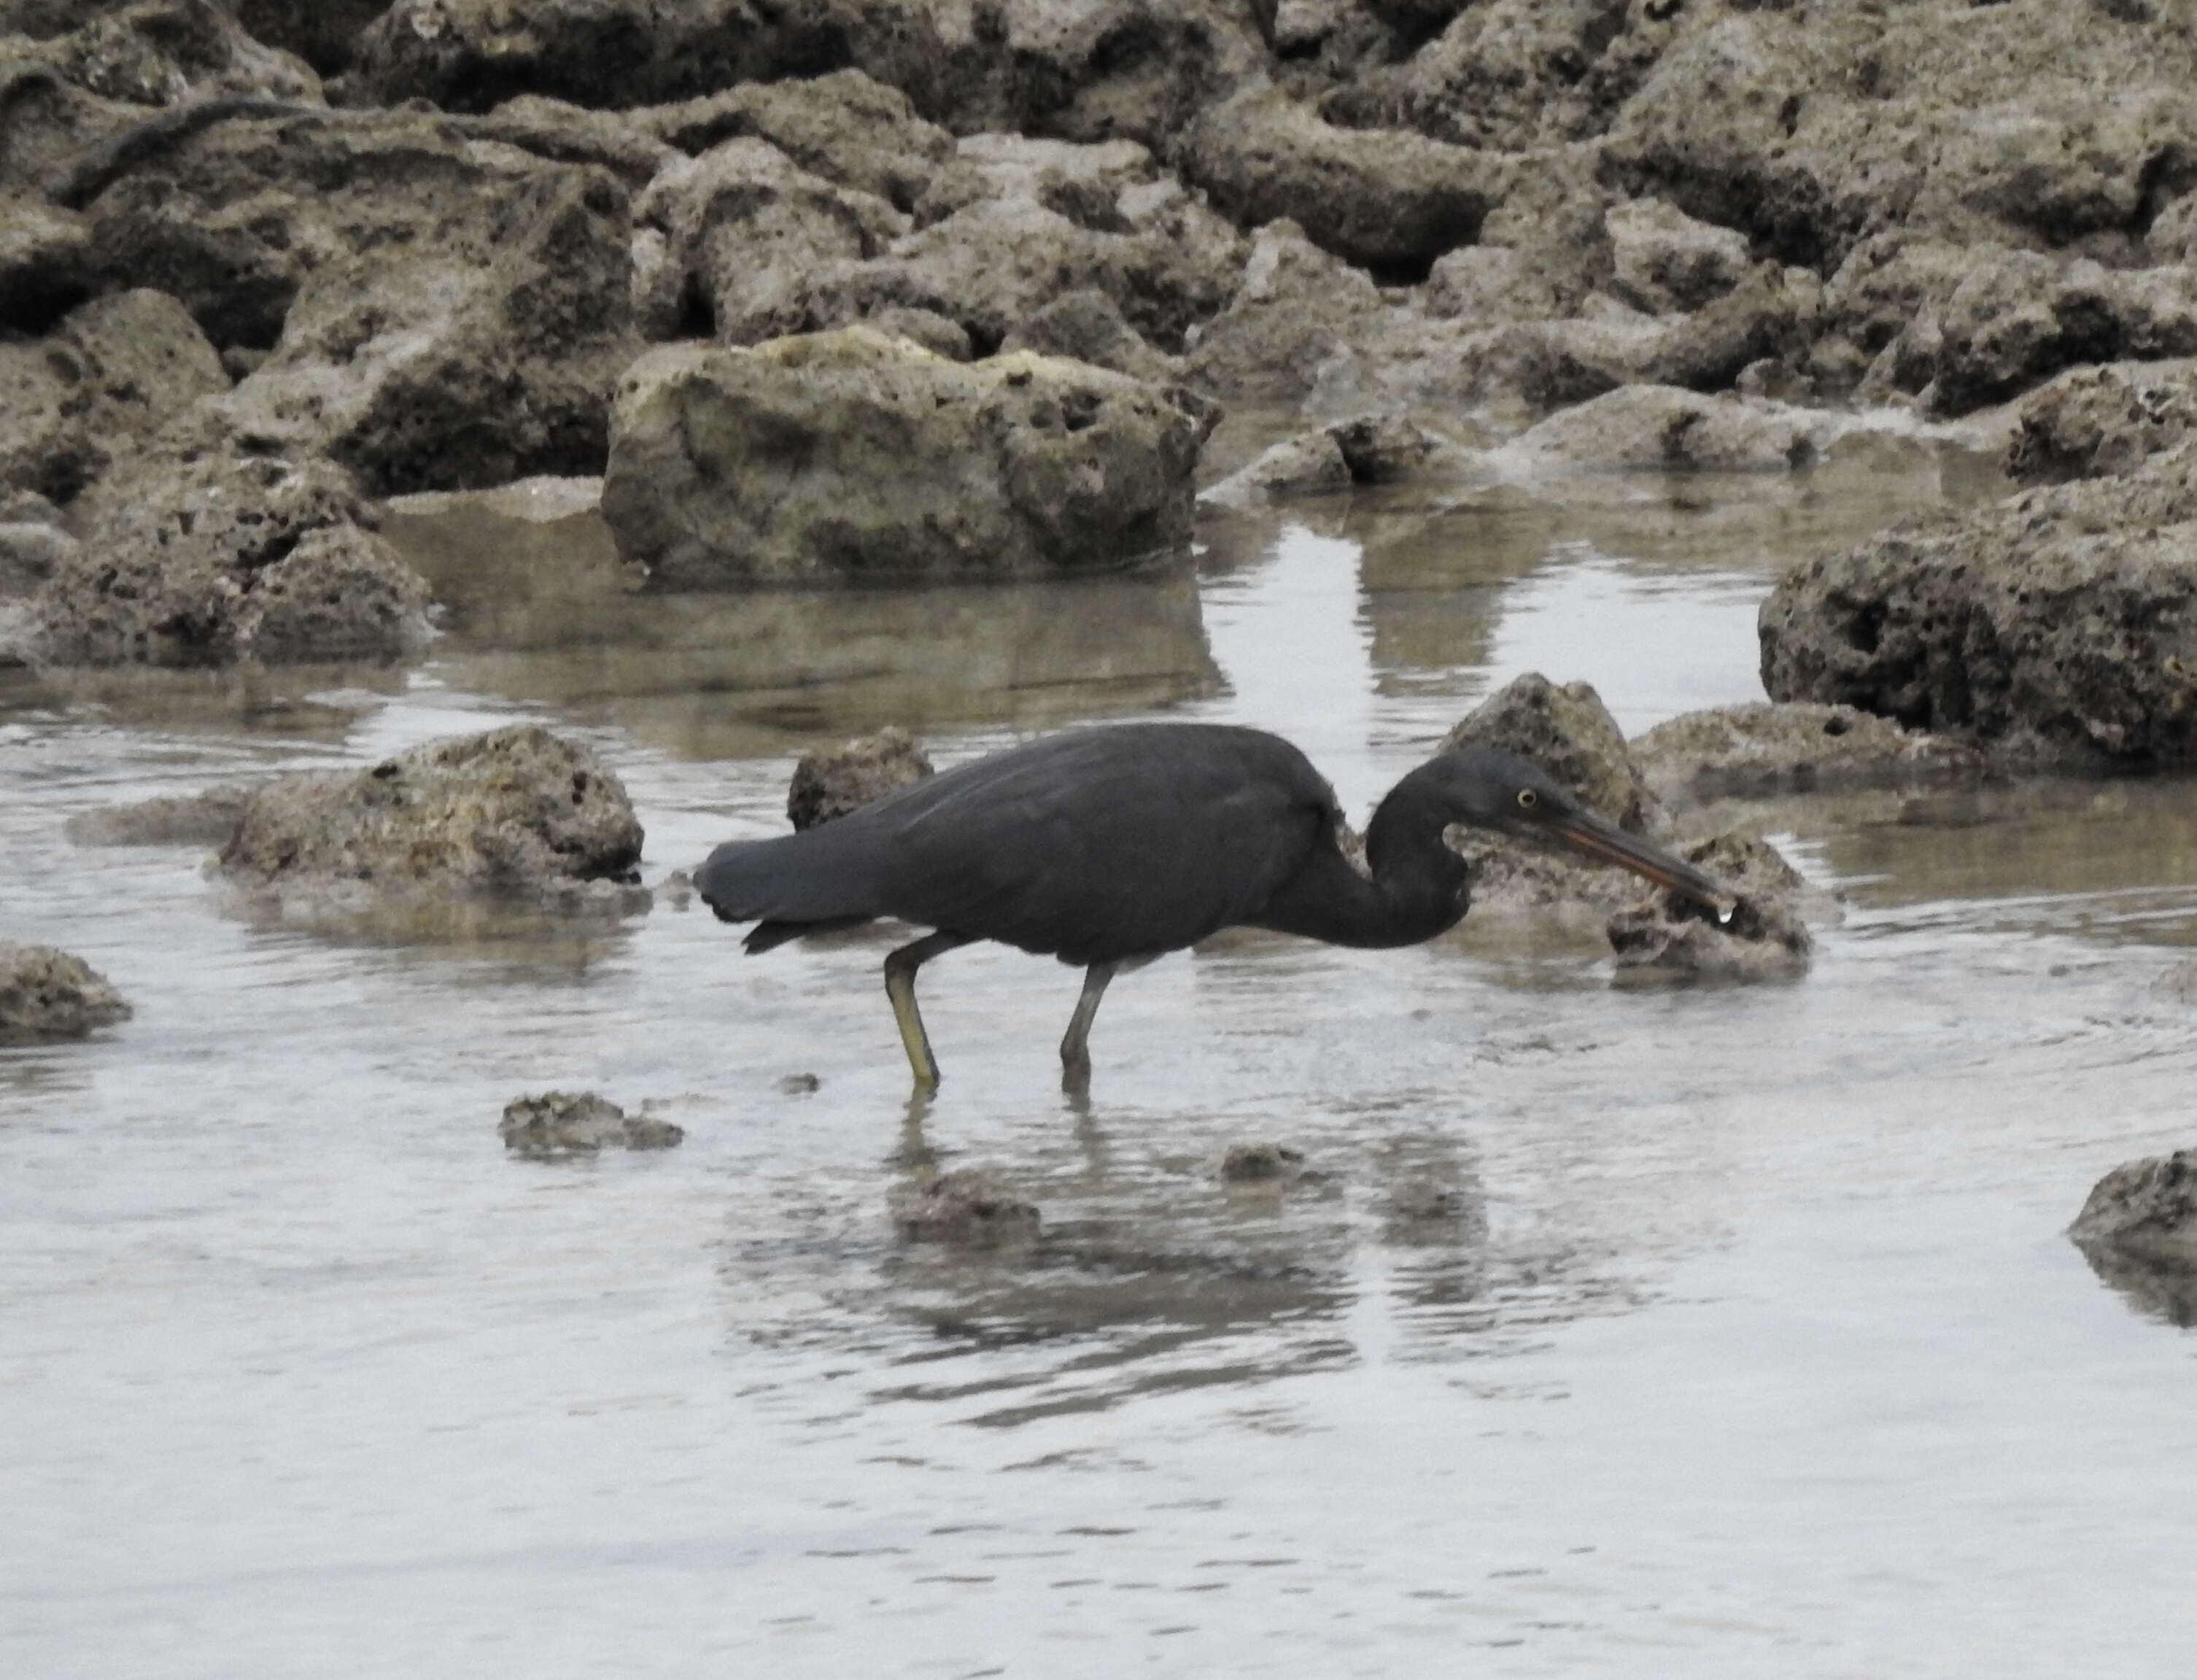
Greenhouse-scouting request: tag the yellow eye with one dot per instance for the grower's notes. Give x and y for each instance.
(1528, 799)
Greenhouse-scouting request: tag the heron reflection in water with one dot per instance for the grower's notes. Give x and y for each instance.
(1109, 847)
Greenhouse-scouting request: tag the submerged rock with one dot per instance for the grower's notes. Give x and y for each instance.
(831, 781)
(1761, 748)
(207, 819)
(46, 993)
(563, 1122)
(1657, 428)
(516, 811)
(970, 1207)
(1766, 937)
(909, 466)
(1262, 1163)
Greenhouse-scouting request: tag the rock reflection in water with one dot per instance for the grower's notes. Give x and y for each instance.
(541, 610)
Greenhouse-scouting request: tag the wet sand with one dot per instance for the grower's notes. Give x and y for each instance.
(1694, 1333)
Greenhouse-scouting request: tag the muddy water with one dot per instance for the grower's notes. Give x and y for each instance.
(1608, 1332)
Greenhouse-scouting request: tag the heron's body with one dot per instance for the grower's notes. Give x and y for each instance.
(1110, 846)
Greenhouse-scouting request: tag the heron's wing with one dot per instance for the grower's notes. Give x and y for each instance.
(1105, 843)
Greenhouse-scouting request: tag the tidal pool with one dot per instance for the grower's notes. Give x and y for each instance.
(1692, 1333)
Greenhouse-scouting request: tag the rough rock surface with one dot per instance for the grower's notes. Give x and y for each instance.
(2097, 421)
(205, 558)
(436, 311)
(564, 1122)
(515, 811)
(2146, 1209)
(2060, 621)
(1388, 199)
(1764, 937)
(1749, 751)
(908, 465)
(831, 781)
(1661, 428)
(970, 1208)
(1665, 261)
(1262, 1163)
(46, 993)
(101, 383)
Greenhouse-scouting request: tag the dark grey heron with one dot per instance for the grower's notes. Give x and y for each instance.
(1109, 847)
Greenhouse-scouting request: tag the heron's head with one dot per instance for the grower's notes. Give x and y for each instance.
(1513, 796)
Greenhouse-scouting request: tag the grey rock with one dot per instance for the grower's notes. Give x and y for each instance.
(1376, 449)
(561, 133)
(1773, 315)
(2145, 1210)
(1085, 325)
(516, 811)
(1661, 428)
(323, 32)
(829, 782)
(846, 127)
(1764, 937)
(1383, 198)
(46, 993)
(207, 819)
(1750, 751)
(1296, 310)
(45, 262)
(968, 1209)
(1665, 261)
(2093, 422)
(1262, 1163)
(108, 377)
(564, 1123)
(2060, 622)
(32, 553)
(747, 230)
(194, 558)
(912, 467)
(439, 311)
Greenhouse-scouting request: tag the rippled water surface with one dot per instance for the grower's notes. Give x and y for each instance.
(1692, 1333)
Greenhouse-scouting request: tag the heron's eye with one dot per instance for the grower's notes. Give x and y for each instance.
(1528, 799)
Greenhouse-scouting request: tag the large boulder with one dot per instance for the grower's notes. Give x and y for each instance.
(438, 311)
(2061, 622)
(850, 456)
(516, 811)
(47, 993)
(2146, 1210)
(203, 558)
(104, 381)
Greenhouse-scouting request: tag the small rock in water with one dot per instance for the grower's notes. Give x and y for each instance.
(1671, 937)
(970, 1208)
(831, 781)
(1261, 1164)
(46, 993)
(2138, 1230)
(2146, 1208)
(800, 1085)
(563, 1122)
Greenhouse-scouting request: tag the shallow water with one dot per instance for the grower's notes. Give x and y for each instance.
(1610, 1332)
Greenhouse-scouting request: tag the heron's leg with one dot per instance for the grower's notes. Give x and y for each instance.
(900, 987)
(1076, 1047)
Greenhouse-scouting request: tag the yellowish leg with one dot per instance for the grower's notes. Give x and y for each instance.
(900, 987)
(1076, 1047)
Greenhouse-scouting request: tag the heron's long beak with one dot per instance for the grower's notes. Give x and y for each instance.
(1587, 832)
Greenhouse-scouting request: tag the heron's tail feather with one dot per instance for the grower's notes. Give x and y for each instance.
(792, 884)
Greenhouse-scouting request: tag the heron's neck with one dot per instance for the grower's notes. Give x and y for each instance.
(1418, 889)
